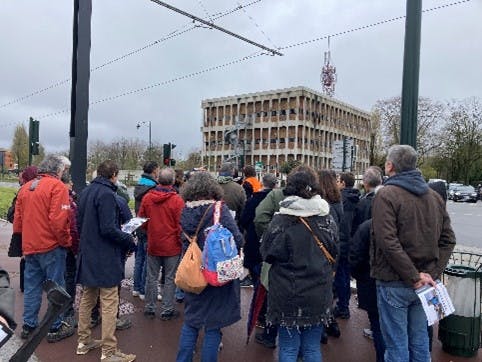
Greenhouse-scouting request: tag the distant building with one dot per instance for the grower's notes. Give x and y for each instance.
(269, 128)
(6, 160)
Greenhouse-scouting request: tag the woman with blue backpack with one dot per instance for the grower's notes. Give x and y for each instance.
(215, 307)
(301, 245)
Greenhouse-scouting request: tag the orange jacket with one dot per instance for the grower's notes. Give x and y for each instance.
(42, 215)
(255, 184)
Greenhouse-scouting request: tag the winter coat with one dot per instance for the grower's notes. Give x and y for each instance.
(266, 210)
(233, 195)
(252, 256)
(350, 198)
(363, 211)
(300, 277)
(360, 267)
(42, 215)
(163, 207)
(103, 244)
(214, 307)
(7, 299)
(336, 210)
(411, 230)
(145, 183)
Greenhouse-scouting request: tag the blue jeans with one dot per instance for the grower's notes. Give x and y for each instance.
(140, 264)
(403, 323)
(187, 343)
(299, 340)
(342, 285)
(38, 269)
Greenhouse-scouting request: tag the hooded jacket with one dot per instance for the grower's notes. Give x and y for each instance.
(411, 230)
(145, 183)
(163, 207)
(42, 215)
(300, 277)
(350, 197)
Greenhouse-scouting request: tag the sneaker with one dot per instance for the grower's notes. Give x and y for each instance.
(367, 332)
(167, 316)
(150, 314)
(94, 322)
(179, 300)
(122, 323)
(142, 296)
(343, 314)
(159, 297)
(246, 282)
(118, 356)
(62, 332)
(135, 293)
(86, 348)
(71, 321)
(261, 339)
(26, 331)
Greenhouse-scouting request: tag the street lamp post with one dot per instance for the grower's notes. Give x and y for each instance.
(139, 124)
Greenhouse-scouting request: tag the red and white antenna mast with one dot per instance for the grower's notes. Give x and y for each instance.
(328, 74)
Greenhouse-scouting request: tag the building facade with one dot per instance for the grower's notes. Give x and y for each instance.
(6, 160)
(269, 128)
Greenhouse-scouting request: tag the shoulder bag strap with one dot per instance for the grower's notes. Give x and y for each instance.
(194, 238)
(217, 212)
(318, 241)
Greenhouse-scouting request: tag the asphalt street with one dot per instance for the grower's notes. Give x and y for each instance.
(467, 222)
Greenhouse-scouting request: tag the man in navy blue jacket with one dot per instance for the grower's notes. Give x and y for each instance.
(100, 266)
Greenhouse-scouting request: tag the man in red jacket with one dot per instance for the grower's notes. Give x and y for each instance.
(42, 217)
(163, 206)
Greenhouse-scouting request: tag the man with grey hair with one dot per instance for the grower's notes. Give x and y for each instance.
(234, 194)
(372, 178)
(42, 217)
(411, 245)
(162, 206)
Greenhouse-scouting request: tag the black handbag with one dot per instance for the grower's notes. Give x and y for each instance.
(15, 248)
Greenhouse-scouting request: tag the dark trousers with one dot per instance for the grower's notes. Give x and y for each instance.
(70, 285)
(378, 342)
(342, 285)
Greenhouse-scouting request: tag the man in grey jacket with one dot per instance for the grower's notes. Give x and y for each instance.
(411, 245)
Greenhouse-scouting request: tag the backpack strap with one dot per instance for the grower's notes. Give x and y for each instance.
(194, 238)
(217, 212)
(318, 241)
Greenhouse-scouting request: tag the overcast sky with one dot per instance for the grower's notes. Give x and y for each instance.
(36, 49)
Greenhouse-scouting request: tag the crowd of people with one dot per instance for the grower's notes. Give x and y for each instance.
(302, 244)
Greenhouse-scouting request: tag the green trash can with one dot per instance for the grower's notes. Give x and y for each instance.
(460, 331)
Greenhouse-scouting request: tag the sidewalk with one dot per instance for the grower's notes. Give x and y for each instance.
(156, 340)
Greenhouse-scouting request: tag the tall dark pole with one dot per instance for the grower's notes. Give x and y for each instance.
(411, 66)
(80, 91)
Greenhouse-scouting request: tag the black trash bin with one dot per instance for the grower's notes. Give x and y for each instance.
(460, 332)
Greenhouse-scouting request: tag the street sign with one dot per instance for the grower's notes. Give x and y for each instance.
(258, 166)
(342, 155)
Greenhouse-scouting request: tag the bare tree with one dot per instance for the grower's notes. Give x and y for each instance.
(429, 123)
(461, 154)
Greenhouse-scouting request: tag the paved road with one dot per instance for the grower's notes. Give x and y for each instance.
(467, 222)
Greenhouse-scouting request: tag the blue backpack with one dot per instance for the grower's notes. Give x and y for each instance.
(220, 259)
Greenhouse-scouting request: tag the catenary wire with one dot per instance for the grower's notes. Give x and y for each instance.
(184, 29)
(254, 55)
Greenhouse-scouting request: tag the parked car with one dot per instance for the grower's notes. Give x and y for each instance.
(451, 190)
(465, 193)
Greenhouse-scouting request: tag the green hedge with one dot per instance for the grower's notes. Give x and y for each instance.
(6, 196)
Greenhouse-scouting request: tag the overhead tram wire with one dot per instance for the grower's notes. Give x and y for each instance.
(363, 27)
(240, 60)
(212, 25)
(258, 27)
(171, 35)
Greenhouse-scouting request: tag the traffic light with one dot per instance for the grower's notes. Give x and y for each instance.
(34, 136)
(173, 162)
(166, 153)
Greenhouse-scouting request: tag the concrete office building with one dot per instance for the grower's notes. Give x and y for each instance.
(269, 128)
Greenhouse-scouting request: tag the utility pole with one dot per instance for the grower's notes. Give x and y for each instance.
(411, 67)
(79, 109)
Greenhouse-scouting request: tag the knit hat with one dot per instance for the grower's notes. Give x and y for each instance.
(29, 174)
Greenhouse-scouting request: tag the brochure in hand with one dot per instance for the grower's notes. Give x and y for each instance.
(133, 224)
(436, 302)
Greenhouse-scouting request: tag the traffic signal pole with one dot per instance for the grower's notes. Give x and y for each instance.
(411, 67)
